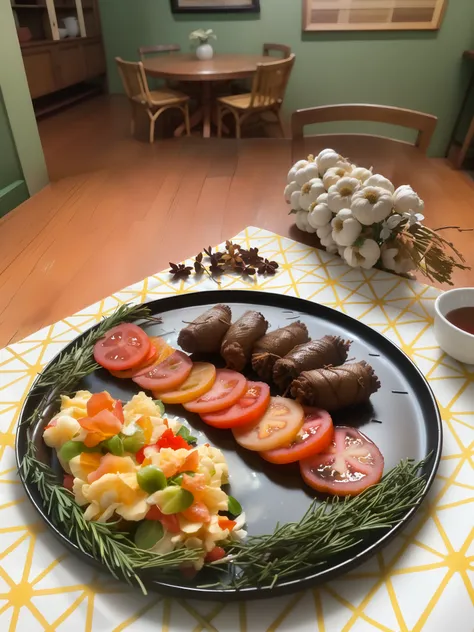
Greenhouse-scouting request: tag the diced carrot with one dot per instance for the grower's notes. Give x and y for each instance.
(225, 523)
(198, 512)
(191, 462)
(216, 554)
(98, 402)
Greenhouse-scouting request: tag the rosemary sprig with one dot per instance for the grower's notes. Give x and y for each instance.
(326, 529)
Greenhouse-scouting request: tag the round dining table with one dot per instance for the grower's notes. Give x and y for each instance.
(187, 67)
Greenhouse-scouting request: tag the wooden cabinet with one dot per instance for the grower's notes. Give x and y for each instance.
(94, 58)
(40, 71)
(70, 65)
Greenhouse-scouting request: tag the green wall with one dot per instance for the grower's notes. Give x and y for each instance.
(413, 69)
(21, 152)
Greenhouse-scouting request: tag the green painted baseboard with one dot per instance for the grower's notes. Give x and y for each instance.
(12, 195)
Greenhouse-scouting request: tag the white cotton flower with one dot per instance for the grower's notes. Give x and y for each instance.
(363, 256)
(360, 173)
(310, 193)
(345, 228)
(390, 224)
(295, 200)
(319, 212)
(393, 260)
(334, 174)
(296, 167)
(290, 189)
(307, 173)
(301, 221)
(382, 182)
(328, 241)
(340, 194)
(371, 205)
(332, 249)
(328, 158)
(413, 218)
(324, 231)
(341, 250)
(405, 200)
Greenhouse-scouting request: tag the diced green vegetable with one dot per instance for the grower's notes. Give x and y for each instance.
(148, 534)
(177, 479)
(234, 507)
(134, 443)
(160, 405)
(114, 445)
(151, 479)
(186, 435)
(174, 499)
(71, 449)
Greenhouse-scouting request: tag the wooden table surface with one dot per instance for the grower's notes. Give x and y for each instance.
(84, 237)
(187, 67)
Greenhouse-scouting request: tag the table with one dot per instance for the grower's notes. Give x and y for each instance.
(186, 67)
(202, 190)
(421, 582)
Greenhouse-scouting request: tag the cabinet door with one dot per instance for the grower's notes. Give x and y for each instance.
(39, 68)
(94, 58)
(70, 63)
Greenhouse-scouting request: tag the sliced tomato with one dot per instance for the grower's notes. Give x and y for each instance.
(350, 464)
(166, 375)
(199, 381)
(122, 347)
(278, 427)
(169, 440)
(170, 523)
(227, 389)
(159, 351)
(250, 407)
(198, 512)
(215, 555)
(314, 437)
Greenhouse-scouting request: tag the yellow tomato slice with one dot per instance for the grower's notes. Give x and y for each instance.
(200, 381)
(278, 426)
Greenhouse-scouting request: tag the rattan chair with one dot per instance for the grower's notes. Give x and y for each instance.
(268, 92)
(155, 102)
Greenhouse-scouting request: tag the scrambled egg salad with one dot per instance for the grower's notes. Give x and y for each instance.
(131, 462)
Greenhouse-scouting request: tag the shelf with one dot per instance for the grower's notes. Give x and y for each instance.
(66, 40)
(58, 101)
(28, 6)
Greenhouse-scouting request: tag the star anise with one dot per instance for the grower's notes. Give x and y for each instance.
(231, 257)
(199, 267)
(251, 256)
(267, 267)
(179, 271)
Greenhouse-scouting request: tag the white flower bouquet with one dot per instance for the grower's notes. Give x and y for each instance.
(202, 36)
(363, 218)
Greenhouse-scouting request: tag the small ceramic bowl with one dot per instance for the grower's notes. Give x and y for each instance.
(457, 343)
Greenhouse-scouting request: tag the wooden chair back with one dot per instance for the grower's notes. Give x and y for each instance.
(270, 82)
(143, 51)
(278, 48)
(134, 80)
(425, 124)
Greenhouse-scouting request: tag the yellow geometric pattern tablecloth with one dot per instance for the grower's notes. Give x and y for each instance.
(422, 581)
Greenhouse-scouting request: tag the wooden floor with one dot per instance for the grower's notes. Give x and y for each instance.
(119, 210)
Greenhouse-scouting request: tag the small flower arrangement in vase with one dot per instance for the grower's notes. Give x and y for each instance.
(361, 217)
(204, 51)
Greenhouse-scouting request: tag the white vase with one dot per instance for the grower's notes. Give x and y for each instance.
(72, 26)
(204, 52)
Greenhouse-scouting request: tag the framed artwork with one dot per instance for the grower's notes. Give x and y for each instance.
(214, 6)
(372, 15)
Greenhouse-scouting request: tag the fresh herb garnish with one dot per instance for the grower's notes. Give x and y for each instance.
(186, 435)
(234, 507)
(160, 405)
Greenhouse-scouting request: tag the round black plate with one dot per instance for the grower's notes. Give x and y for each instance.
(402, 419)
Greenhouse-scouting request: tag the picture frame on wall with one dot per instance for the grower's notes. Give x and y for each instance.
(376, 15)
(215, 6)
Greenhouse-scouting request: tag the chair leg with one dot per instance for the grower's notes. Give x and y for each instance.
(281, 123)
(219, 121)
(132, 122)
(238, 125)
(152, 130)
(186, 119)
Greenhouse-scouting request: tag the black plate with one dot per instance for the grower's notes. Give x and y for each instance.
(410, 428)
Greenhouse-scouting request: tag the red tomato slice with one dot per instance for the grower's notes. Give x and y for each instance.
(250, 407)
(314, 437)
(227, 389)
(170, 523)
(167, 375)
(68, 481)
(122, 347)
(159, 351)
(350, 464)
(215, 555)
(278, 426)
